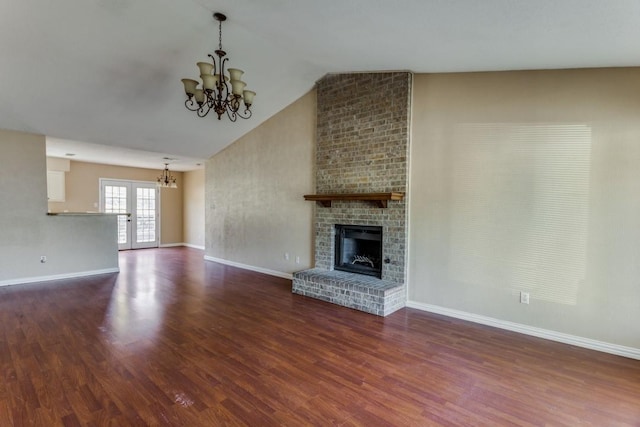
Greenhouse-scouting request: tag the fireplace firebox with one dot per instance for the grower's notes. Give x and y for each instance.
(358, 249)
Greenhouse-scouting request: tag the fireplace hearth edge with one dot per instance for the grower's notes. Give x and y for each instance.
(357, 291)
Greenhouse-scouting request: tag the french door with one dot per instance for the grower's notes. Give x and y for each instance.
(141, 200)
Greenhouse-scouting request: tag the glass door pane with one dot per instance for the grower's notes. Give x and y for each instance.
(146, 210)
(141, 201)
(115, 200)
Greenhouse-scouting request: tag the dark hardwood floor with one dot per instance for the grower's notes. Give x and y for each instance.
(175, 340)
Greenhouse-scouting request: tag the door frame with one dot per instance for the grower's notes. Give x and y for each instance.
(131, 217)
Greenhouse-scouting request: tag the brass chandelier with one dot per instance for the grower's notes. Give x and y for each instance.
(214, 94)
(166, 180)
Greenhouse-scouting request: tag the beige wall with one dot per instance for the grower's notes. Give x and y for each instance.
(73, 245)
(83, 193)
(193, 214)
(529, 181)
(255, 212)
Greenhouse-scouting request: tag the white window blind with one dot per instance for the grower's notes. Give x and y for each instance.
(520, 207)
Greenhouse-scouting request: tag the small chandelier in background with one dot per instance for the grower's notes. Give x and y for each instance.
(214, 93)
(166, 180)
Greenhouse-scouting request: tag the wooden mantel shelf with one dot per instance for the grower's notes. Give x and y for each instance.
(380, 199)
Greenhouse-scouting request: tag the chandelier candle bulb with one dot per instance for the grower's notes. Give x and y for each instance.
(215, 93)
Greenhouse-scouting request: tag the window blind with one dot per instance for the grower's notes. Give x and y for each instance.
(520, 207)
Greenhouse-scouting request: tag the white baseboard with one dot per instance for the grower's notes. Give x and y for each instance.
(189, 245)
(173, 245)
(620, 350)
(25, 280)
(250, 267)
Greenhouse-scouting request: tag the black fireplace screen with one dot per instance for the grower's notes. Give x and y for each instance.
(359, 249)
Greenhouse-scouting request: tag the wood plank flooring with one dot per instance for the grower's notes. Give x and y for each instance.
(174, 340)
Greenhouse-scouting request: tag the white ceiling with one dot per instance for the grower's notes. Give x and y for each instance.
(121, 156)
(108, 72)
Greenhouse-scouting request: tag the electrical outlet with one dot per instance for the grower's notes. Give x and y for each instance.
(524, 297)
(43, 259)
(297, 260)
(286, 256)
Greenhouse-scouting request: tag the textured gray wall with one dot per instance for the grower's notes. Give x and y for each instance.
(255, 212)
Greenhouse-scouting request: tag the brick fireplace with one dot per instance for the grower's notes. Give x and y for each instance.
(362, 147)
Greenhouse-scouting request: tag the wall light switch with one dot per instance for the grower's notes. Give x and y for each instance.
(524, 297)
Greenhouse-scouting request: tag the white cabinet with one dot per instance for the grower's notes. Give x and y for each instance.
(55, 186)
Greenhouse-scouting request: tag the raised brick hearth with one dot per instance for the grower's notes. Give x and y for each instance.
(362, 147)
(365, 293)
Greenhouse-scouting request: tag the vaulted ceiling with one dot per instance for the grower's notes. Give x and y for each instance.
(108, 71)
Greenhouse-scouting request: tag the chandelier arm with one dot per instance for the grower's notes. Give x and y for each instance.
(231, 114)
(213, 61)
(204, 107)
(234, 114)
(202, 112)
(238, 113)
(223, 94)
(234, 105)
(191, 106)
(245, 114)
(211, 100)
